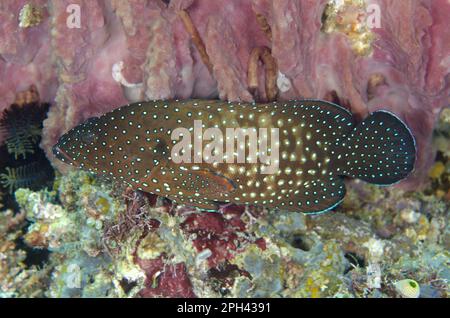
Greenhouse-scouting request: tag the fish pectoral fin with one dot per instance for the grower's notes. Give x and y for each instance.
(319, 196)
(205, 183)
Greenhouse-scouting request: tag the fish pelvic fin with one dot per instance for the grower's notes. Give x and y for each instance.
(380, 150)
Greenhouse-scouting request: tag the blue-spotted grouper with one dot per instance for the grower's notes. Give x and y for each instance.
(303, 151)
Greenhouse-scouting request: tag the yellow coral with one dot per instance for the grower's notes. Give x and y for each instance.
(315, 291)
(30, 15)
(345, 17)
(437, 170)
(38, 238)
(151, 246)
(103, 205)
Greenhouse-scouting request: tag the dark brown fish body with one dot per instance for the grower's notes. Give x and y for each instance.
(317, 144)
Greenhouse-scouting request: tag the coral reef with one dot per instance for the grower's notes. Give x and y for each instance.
(84, 236)
(72, 234)
(17, 278)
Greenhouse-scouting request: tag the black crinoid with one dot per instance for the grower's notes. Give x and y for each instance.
(23, 163)
(22, 127)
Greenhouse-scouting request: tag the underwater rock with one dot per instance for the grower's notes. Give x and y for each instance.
(172, 281)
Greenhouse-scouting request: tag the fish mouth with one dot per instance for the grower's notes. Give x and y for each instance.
(62, 155)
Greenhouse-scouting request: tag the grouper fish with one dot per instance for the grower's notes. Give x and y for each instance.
(291, 155)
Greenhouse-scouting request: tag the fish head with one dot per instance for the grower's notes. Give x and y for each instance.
(116, 144)
(73, 145)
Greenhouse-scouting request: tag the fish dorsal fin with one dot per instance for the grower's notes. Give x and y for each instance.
(319, 196)
(328, 110)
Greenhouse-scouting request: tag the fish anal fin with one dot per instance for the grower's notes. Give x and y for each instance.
(320, 196)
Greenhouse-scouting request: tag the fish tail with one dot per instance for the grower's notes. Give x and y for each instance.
(380, 150)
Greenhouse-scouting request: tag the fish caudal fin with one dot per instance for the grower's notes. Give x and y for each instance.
(380, 150)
